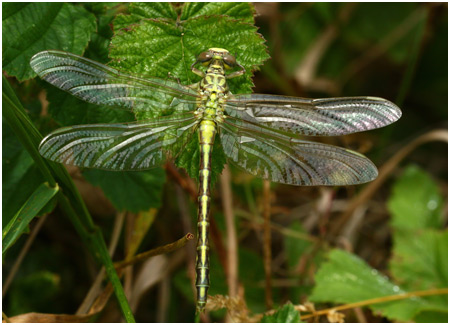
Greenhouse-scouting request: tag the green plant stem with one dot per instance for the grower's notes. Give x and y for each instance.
(70, 202)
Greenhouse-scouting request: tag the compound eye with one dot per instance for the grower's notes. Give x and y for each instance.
(204, 57)
(229, 60)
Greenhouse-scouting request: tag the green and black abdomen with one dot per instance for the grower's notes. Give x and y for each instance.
(207, 132)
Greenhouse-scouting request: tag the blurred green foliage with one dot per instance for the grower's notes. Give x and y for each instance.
(286, 314)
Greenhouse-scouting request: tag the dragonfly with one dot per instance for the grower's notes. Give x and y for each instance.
(261, 134)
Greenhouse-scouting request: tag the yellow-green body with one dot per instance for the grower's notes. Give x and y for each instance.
(214, 90)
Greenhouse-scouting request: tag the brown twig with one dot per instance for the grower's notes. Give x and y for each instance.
(163, 299)
(267, 247)
(232, 254)
(187, 227)
(157, 251)
(130, 227)
(185, 183)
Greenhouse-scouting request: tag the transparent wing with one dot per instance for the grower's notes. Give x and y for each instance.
(133, 146)
(268, 154)
(99, 84)
(315, 117)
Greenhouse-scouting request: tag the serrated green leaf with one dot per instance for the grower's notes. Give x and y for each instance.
(159, 48)
(285, 314)
(420, 259)
(345, 278)
(236, 10)
(415, 202)
(29, 28)
(145, 10)
(131, 191)
(40, 197)
(167, 48)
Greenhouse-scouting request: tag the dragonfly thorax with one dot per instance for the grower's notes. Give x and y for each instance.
(214, 82)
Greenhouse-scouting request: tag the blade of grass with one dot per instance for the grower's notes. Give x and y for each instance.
(70, 202)
(38, 199)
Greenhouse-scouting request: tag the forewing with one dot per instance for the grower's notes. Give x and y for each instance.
(314, 117)
(99, 84)
(281, 159)
(133, 146)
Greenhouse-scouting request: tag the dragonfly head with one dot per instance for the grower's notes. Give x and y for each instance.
(217, 59)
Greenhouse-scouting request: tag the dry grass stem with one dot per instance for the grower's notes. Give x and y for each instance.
(232, 253)
(23, 252)
(267, 245)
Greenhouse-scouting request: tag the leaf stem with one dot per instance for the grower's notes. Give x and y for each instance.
(429, 292)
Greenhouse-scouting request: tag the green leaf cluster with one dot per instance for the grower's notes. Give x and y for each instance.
(419, 258)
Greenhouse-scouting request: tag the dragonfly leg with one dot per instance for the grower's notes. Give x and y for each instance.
(236, 73)
(171, 76)
(198, 72)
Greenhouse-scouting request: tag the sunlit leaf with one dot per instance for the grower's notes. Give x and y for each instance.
(415, 202)
(345, 278)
